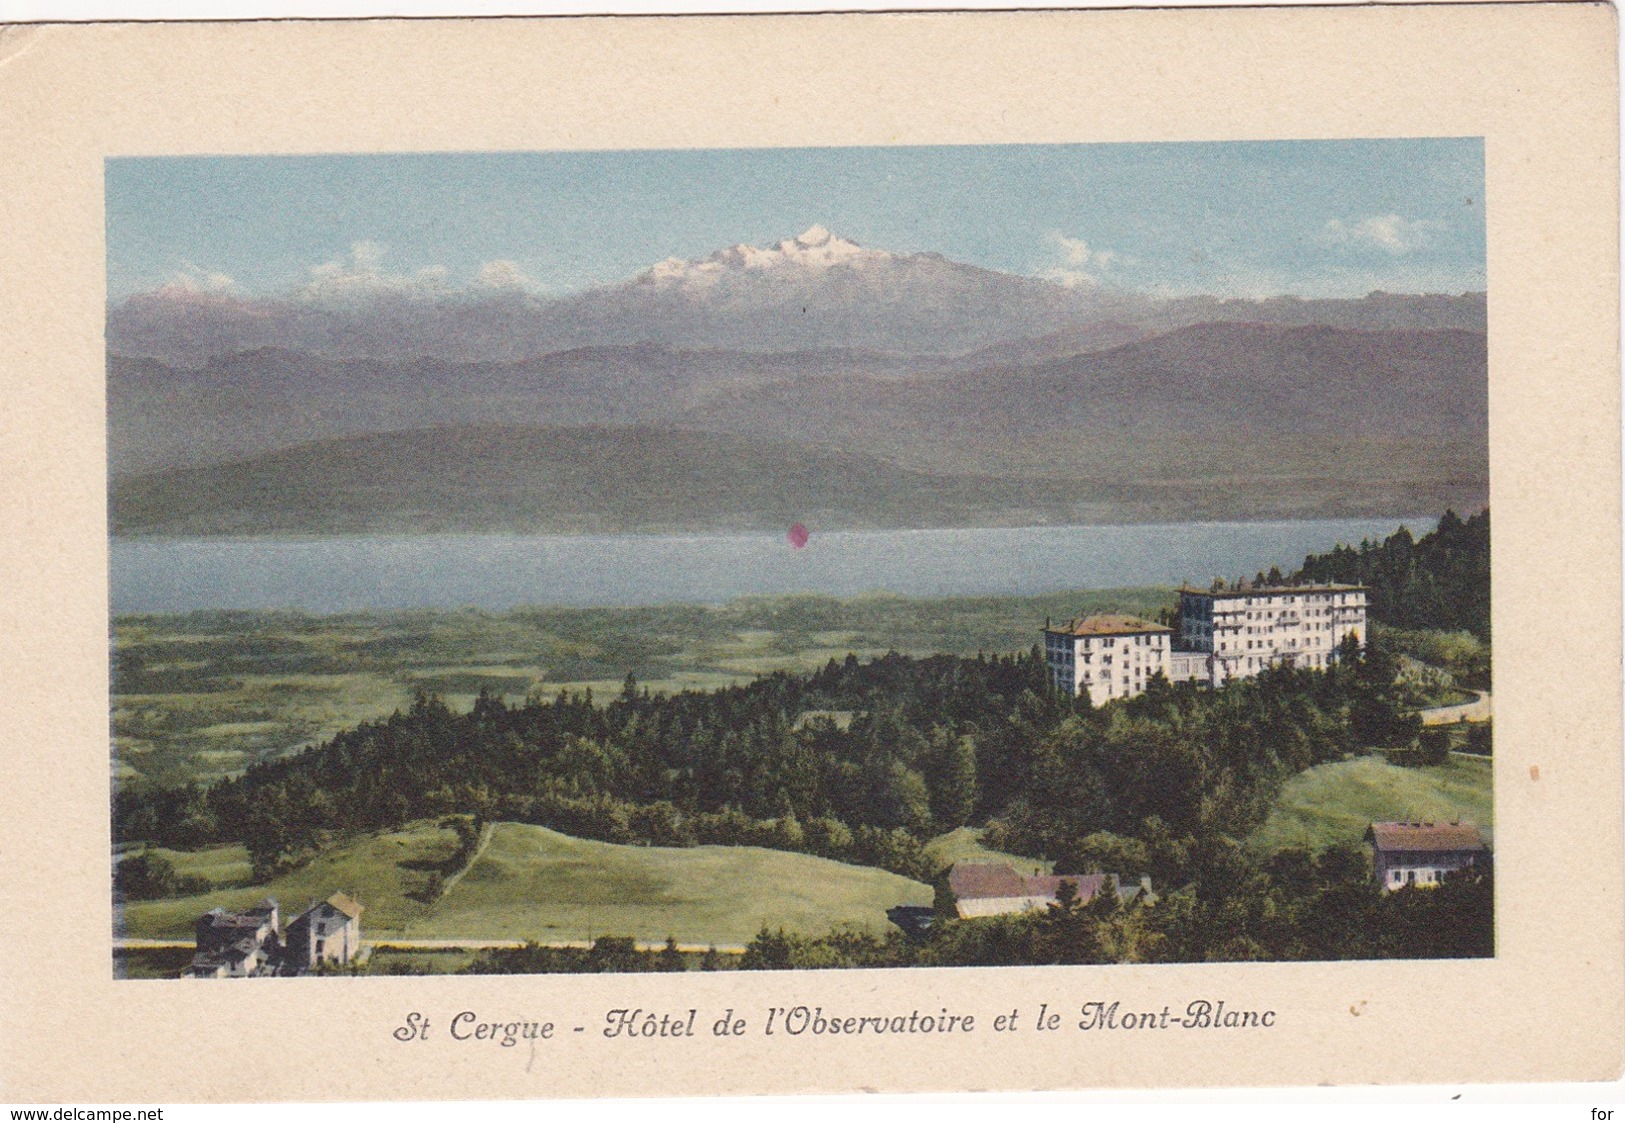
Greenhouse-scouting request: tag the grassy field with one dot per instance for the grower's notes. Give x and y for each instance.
(393, 961)
(1336, 802)
(533, 883)
(203, 695)
(150, 963)
(382, 871)
(965, 845)
(223, 867)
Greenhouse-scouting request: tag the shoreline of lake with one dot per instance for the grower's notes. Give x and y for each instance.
(1396, 521)
(504, 571)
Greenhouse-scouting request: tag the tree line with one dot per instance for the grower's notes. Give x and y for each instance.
(1292, 906)
(1439, 582)
(933, 744)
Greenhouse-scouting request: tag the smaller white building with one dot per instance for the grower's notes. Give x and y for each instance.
(1109, 656)
(328, 932)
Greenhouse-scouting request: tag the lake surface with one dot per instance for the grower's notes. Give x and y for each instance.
(503, 571)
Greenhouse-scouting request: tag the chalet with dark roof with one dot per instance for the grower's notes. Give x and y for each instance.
(237, 945)
(252, 943)
(1423, 854)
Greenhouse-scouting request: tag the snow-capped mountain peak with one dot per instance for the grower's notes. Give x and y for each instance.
(812, 251)
(817, 247)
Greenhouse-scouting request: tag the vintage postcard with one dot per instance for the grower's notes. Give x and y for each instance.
(813, 553)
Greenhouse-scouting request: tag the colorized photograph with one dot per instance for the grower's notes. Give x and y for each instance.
(782, 559)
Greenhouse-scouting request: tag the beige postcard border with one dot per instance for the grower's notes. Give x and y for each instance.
(1538, 82)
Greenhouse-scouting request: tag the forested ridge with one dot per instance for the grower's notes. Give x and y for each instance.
(931, 744)
(1440, 581)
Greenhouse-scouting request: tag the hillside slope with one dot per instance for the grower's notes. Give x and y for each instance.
(1211, 381)
(587, 479)
(1214, 421)
(645, 480)
(1335, 803)
(534, 883)
(241, 404)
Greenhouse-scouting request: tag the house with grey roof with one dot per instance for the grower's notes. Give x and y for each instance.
(252, 943)
(237, 945)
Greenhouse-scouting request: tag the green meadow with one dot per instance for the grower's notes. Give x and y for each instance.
(220, 866)
(965, 845)
(204, 695)
(386, 872)
(534, 883)
(530, 883)
(1336, 802)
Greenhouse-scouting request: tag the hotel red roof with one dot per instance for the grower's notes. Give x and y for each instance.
(1107, 624)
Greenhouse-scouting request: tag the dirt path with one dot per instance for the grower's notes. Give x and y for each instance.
(484, 841)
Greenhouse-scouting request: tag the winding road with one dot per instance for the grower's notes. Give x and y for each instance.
(398, 944)
(1476, 710)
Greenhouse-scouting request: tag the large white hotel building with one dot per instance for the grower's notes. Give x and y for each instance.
(1225, 634)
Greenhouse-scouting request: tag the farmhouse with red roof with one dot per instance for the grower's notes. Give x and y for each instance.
(995, 889)
(1423, 853)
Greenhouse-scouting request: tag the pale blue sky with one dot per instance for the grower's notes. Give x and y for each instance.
(1315, 218)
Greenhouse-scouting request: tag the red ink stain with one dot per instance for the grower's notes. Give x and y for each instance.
(798, 536)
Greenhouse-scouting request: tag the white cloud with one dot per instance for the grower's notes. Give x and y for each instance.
(507, 276)
(1083, 264)
(1389, 233)
(1079, 253)
(363, 276)
(193, 278)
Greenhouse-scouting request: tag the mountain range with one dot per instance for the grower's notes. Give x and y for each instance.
(814, 379)
(811, 292)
